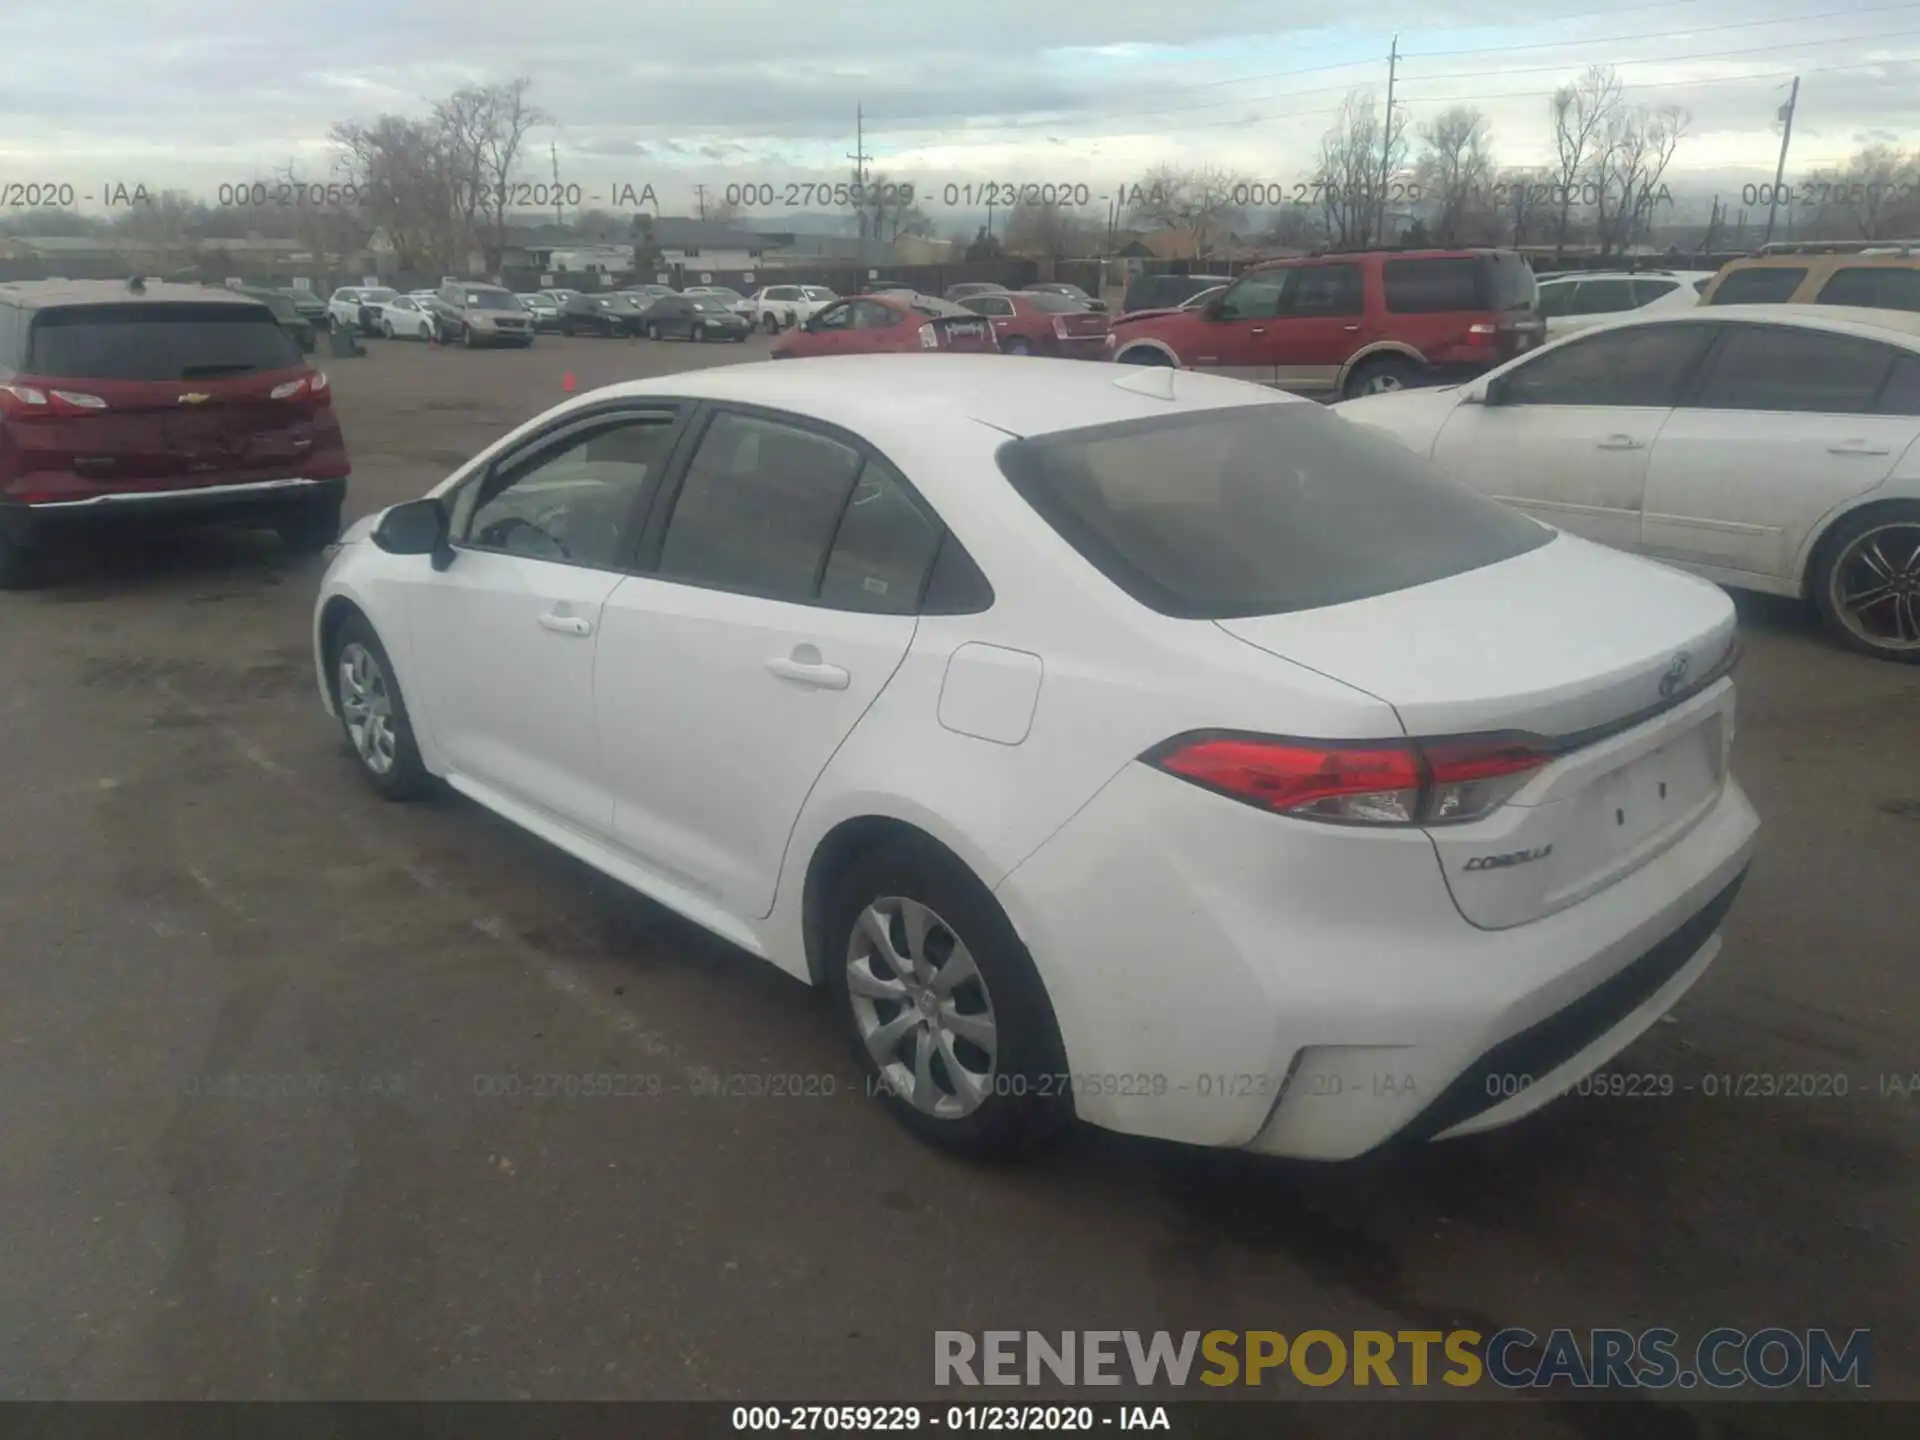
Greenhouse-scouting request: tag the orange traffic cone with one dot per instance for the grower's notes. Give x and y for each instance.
(566, 382)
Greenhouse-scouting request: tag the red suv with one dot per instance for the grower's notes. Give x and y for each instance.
(125, 401)
(1350, 325)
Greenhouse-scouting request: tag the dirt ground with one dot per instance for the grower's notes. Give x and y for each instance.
(194, 884)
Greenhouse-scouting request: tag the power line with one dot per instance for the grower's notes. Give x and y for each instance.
(1659, 34)
(1677, 59)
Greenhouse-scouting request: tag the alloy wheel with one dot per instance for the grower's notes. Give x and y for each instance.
(366, 708)
(1876, 586)
(1382, 384)
(922, 1009)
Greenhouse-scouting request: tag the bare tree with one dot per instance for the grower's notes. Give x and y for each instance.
(1294, 227)
(1455, 171)
(408, 183)
(1581, 112)
(721, 212)
(328, 219)
(164, 235)
(1523, 200)
(1357, 157)
(1201, 201)
(505, 118)
(1875, 195)
(887, 209)
(1635, 149)
(1047, 231)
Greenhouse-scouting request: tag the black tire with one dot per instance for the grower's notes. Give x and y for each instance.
(309, 530)
(1028, 1102)
(406, 778)
(770, 324)
(698, 334)
(19, 565)
(1836, 567)
(566, 329)
(466, 338)
(1016, 346)
(653, 331)
(386, 329)
(1383, 373)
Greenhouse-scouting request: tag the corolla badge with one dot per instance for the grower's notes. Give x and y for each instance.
(1676, 674)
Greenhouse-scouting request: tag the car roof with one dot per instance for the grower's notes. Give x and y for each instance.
(1569, 275)
(49, 294)
(1899, 326)
(878, 395)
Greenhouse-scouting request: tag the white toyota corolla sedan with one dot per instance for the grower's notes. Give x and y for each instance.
(1130, 744)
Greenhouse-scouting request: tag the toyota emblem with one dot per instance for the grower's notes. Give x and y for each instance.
(1676, 674)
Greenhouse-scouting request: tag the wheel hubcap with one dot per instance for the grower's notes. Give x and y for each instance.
(1876, 586)
(366, 708)
(1380, 384)
(922, 1008)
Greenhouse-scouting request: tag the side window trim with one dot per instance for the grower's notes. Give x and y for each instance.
(548, 442)
(653, 534)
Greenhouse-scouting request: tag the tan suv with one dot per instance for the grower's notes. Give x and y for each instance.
(1879, 279)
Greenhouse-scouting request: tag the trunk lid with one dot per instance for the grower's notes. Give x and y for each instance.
(1615, 662)
(1084, 325)
(165, 396)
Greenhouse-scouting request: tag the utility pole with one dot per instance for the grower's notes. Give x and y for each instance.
(859, 158)
(1713, 227)
(553, 154)
(1780, 170)
(700, 191)
(1386, 145)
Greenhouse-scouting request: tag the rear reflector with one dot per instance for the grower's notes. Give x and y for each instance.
(1445, 782)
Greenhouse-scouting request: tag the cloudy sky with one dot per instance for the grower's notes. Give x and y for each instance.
(194, 93)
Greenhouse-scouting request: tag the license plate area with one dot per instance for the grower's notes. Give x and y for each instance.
(1625, 812)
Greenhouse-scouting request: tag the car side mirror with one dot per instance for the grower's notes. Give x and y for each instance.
(418, 527)
(1487, 392)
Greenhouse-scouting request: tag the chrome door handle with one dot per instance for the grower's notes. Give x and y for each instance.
(820, 676)
(566, 624)
(1858, 447)
(1620, 442)
(1258, 330)
(1351, 329)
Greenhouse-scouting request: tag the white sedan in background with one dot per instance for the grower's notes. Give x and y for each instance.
(1137, 745)
(406, 317)
(1577, 301)
(781, 307)
(1766, 447)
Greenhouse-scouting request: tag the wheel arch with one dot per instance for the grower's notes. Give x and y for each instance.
(333, 618)
(1826, 533)
(1375, 351)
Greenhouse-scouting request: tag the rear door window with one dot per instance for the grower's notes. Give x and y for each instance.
(1779, 367)
(1760, 285)
(159, 342)
(1261, 510)
(1327, 290)
(1645, 292)
(1879, 287)
(1437, 286)
(1602, 297)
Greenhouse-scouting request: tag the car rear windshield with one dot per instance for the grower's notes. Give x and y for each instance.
(158, 342)
(1446, 283)
(491, 300)
(1260, 510)
(1760, 285)
(1055, 304)
(377, 297)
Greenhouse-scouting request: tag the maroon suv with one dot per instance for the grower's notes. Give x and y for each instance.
(121, 401)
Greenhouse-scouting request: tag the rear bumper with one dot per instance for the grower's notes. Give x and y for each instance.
(206, 505)
(1226, 977)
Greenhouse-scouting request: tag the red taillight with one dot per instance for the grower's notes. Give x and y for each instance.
(311, 388)
(1483, 331)
(36, 402)
(1359, 783)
